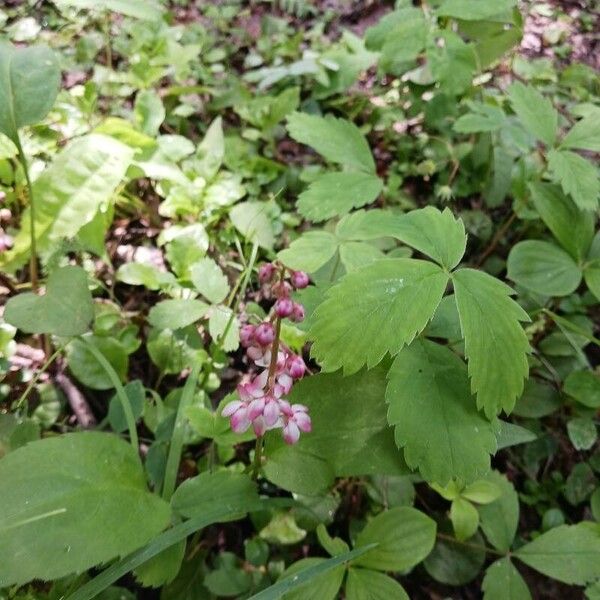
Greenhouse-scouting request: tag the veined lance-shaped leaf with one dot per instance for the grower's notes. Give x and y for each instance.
(572, 227)
(577, 177)
(438, 234)
(337, 140)
(29, 83)
(535, 111)
(79, 182)
(584, 135)
(543, 268)
(335, 194)
(434, 416)
(502, 581)
(65, 309)
(71, 502)
(375, 310)
(568, 553)
(495, 343)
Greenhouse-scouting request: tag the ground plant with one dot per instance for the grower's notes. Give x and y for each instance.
(299, 299)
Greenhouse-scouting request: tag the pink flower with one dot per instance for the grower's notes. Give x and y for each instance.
(295, 420)
(297, 313)
(247, 335)
(266, 272)
(264, 334)
(295, 366)
(284, 307)
(237, 411)
(299, 279)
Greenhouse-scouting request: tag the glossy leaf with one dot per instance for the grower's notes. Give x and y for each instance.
(375, 310)
(495, 343)
(434, 416)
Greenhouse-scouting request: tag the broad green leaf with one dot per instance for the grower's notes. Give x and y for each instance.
(225, 489)
(502, 581)
(346, 439)
(582, 433)
(500, 518)
(543, 268)
(364, 225)
(71, 502)
(223, 322)
(474, 11)
(137, 273)
(211, 149)
(584, 135)
(568, 553)
(140, 9)
(535, 112)
(483, 118)
(364, 584)
(577, 177)
(80, 181)
(252, 220)
(375, 310)
(572, 227)
(86, 368)
(29, 84)
(335, 194)
(149, 112)
(434, 417)
(136, 395)
(465, 519)
(591, 271)
(310, 251)
(481, 492)
(495, 344)
(177, 313)
(66, 309)
(438, 234)
(323, 587)
(355, 255)
(405, 536)
(337, 140)
(333, 546)
(584, 386)
(162, 568)
(209, 280)
(172, 351)
(452, 63)
(512, 435)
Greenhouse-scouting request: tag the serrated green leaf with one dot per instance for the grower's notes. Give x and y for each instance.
(438, 234)
(474, 11)
(405, 536)
(355, 255)
(433, 414)
(346, 439)
(209, 280)
(335, 194)
(80, 181)
(337, 140)
(572, 227)
(543, 268)
(65, 309)
(495, 344)
(365, 584)
(51, 521)
(535, 111)
(584, 135)
(502, 581)
(177, 313)
(375, 310)
(582, 433)
(568, 553)
(577, 177)
(252, 220)
(310, 251)
(483, 118)
(29, 84)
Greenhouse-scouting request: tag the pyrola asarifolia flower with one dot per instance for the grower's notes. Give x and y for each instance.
(261, 401)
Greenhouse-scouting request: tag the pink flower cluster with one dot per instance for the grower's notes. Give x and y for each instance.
(261, 399)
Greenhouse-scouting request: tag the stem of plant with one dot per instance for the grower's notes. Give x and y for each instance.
(258, 451)
(453, 540)
(33, 272)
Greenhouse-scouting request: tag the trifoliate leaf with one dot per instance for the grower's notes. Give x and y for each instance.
(543, 268)
(584, 135)
(502, 581)
(535, 111)
(577, 177)
(495, 343)
(337, 140)
(568, 553)
(434, 416)
(572, 227)
(438, 234)
(335, 194)
(375, 310)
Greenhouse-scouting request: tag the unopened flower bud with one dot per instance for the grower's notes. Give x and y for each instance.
(266, 272)
(264, 334)
(297, 313)
(299, 279)
(296, 366)
(247, 335)
(284, 307)
(282, 289)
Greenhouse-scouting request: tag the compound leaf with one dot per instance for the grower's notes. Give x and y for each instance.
(535, 111)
